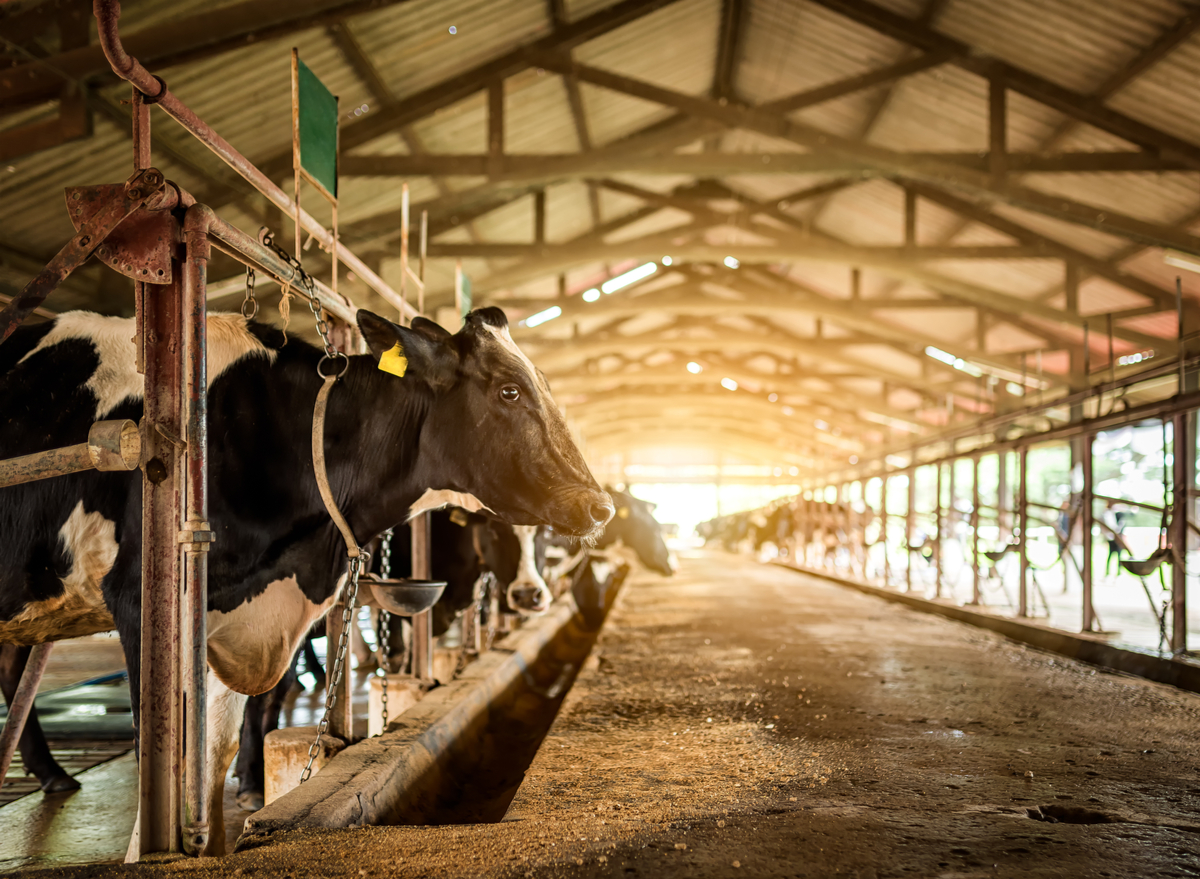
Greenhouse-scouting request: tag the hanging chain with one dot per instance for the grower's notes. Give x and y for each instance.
(385, 620)
(332, 354)
(249, 304)
(334, 677)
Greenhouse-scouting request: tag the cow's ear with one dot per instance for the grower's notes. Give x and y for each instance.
(433, 330)
(403, 351)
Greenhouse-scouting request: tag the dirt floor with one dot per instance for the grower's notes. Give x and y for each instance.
(740, 719)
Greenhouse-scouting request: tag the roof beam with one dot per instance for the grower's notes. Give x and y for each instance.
(557, 355)
(594, 163)
(788, 385)
(757, 253)
(742, 442)
(1098, 266)
(1084, 108)
(729, 42)
(937, 173)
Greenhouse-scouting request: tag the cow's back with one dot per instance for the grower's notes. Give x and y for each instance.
(61, 535)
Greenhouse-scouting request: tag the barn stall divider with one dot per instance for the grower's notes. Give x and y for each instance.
(1017, 554)
(154, 232)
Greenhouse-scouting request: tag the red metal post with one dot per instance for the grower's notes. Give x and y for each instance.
(162, 508)
(196, 536)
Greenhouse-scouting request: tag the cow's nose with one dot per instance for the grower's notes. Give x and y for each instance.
(601, 512)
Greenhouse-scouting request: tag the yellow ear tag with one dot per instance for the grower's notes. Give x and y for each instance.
(459, 518)
(394, 361)
(623, 513)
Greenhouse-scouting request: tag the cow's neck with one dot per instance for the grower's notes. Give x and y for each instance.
(372, 446)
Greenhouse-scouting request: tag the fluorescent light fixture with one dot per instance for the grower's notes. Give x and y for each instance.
(793, 471)
(772, 397)
(956, 362)
(612, 285)
(1015, 389)
(778, 471)
(591, 295)
(821, 425)
(729, 384)
(666, 260)
(731, 262)
(1181, 260)
(535, 320)
(939, 354)
(695, 368)
(1139, 357)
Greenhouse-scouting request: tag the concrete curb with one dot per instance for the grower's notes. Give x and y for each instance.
(1085, 648)
(367, 782)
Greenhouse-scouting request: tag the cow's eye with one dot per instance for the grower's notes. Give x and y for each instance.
(510, 393)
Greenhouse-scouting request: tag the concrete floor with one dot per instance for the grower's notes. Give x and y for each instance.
(747, 720)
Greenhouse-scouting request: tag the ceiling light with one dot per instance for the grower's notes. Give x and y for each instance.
(854, 459)
(820, 425)
(1181, 260)
(630, 277)
(591, 295)
(772, 397)
(729, 384)
(731, 262)
(1015, 389)
(793, 471)
(541, 317)
(787, 410)
(695, 368)
(666, 260)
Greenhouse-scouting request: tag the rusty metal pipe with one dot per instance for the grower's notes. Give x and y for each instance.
(196, 535)
(22, 704)
(108, 13)
(111, 445)
(241, 246)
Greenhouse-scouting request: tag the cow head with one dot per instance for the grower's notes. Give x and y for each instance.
(635, 526)
(493, 436)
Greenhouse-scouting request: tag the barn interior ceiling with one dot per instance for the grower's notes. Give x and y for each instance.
(856, 220)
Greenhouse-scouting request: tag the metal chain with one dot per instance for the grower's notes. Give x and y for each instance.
(249, 304)
(334, 677)
(385, 620)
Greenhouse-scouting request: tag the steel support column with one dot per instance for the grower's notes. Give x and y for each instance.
(422, 667)
(976, 598)
(883, 529)
(937, 539)
(1023, 546)
(908, 527)
(1087, 513)
(1184, 453)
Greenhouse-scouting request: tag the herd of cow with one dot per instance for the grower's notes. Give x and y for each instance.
(812, 532)
(467, 429)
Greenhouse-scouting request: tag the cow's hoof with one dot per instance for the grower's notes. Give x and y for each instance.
(250, 801)
(60, 784)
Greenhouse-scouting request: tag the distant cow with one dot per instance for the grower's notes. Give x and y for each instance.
(471, 421)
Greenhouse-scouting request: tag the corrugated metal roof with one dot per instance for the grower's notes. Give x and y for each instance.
(787, 47)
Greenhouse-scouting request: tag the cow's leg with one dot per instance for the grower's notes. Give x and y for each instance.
(226, 710)
(35, 752)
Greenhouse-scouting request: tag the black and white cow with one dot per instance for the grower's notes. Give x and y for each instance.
(634, 526)
(470, 422)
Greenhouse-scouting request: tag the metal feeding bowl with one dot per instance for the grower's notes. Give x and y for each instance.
(406, 597)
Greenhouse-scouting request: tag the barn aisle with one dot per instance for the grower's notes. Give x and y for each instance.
(746, 720)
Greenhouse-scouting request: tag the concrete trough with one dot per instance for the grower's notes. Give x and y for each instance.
(425, 768)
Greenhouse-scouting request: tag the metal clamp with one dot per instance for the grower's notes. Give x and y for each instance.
(196, 536)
